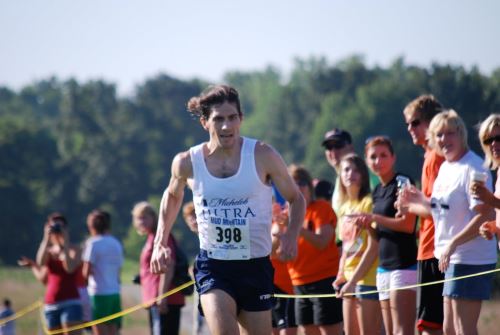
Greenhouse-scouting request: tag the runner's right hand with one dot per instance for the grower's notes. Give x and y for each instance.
(161, 259)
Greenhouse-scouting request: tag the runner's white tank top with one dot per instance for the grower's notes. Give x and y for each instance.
(233, 214)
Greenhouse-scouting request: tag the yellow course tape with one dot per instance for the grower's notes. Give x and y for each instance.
(39, 304)
(331, 295)
(21, 312)
(116, 315)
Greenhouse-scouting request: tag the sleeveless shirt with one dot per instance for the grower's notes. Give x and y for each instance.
(233, 214)
(61, 285)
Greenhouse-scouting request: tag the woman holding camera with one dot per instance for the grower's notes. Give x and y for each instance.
(62, 307)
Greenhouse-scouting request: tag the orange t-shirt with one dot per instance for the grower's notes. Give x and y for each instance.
(281, 276)
(313, 264)
(430, 170)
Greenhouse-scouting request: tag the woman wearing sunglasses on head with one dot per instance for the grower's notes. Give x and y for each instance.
(489, 136)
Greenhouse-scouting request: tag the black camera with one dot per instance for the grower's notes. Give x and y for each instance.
(56, 228)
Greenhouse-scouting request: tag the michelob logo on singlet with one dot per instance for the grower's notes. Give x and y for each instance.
(234, 213)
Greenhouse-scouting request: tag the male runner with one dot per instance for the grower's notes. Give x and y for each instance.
(230, 177)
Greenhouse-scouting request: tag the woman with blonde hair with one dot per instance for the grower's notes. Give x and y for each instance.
(164, 315)
(489, 137)
(457, 214)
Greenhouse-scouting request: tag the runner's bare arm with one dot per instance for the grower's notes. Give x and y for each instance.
(169, 208)
(275, 169)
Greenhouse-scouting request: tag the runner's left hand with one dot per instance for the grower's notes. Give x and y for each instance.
(288, 247)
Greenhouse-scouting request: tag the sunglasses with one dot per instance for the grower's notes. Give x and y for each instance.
(492, 139)
(334, 145)
(414, 124)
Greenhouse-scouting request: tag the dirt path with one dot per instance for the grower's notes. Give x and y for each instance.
(131, 296)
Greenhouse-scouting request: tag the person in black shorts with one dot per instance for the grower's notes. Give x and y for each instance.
(418, 115)
(230, 177)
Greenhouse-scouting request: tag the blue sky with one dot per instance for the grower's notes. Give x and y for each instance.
(125, 42)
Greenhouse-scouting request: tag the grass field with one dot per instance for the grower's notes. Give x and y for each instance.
(22, 289)
(19, 285)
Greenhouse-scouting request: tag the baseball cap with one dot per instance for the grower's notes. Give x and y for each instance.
(338, 137)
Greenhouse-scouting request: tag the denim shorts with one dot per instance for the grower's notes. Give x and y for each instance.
(63, 313)
(360, 289)
(474, 288)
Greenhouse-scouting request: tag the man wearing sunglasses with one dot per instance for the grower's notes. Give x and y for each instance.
(418, 115)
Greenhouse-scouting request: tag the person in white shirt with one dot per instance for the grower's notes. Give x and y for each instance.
(457, 215)
(102, 262)
(231, 177)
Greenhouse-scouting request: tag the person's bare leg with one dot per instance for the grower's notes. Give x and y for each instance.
(428, 331)
(385, 306)
(403, 311)
(107, 328)
(309, 330)
(448, 323)
(351, 324)
(369, 317)
(220, 312)
(72, 324)
(335, 329)
(255, 323)
(466, 314)
(288, 331)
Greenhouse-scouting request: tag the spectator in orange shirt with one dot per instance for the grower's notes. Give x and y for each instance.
(317, 263)
(418, 114)
(283, 314)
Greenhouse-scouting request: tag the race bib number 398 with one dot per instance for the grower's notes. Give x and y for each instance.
(229, 239)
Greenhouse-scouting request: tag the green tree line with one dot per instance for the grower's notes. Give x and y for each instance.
(72, 147)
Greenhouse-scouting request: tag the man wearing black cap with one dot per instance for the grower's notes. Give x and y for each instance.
(337, 144)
